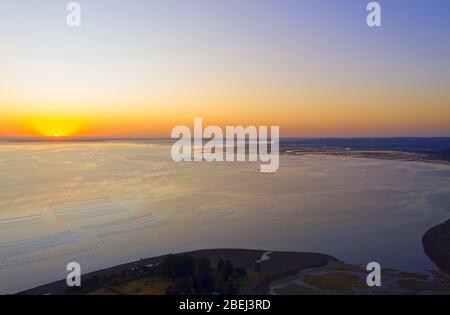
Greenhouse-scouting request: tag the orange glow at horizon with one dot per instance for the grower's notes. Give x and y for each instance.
(308, 113)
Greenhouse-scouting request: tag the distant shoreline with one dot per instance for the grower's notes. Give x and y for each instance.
(427, 149)
(308, 141)
(374, 155)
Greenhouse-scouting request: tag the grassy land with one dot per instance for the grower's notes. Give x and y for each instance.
(152, 285)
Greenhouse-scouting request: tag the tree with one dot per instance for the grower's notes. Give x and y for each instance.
(220, 265)
(258, 267)
(241, 272)
(227, 270)
(176, 266)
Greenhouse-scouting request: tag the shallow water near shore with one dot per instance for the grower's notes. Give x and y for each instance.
(106, 203)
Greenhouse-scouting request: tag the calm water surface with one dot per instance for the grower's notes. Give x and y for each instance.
(105, 203)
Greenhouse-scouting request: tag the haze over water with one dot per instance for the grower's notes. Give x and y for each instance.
(106, 203)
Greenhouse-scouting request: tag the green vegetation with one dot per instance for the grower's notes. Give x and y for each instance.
(194, 275)
(258, 267)
(175, 275)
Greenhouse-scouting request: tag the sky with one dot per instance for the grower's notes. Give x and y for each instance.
(142, 67)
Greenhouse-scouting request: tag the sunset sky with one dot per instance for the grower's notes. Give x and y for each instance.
(139, 68)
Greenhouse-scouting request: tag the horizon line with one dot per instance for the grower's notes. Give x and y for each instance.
(106, 138)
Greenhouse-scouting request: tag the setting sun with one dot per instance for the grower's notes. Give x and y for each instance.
(53, 125)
